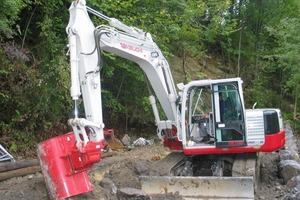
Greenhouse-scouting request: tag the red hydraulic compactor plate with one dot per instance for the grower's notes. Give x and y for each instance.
(65, 167)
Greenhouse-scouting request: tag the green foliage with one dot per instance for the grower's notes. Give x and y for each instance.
(259, 37)
(9, 14)
(30, 101)
(35, 81)
(286, 55)
(265, 45)
(124, 100)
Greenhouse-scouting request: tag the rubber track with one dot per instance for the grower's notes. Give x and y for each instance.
(163, 166)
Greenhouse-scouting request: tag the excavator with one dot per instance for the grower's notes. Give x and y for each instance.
(215, 142)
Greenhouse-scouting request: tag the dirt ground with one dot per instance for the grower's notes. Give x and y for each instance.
(122, 171)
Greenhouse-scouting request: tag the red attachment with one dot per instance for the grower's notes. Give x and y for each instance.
(65, 168)
(109, 132)
(173, 144)
(171, 139)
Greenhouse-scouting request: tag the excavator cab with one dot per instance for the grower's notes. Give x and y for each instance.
(215, 114)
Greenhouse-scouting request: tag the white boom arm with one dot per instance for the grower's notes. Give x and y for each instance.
(86, 41)
(148, 56)
(85, 76)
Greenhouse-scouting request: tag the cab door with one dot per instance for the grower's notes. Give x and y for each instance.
(229, 117)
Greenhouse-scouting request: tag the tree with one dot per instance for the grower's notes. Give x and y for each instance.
(249, 47)
(287, 57)
(9, 14)
(34, 76)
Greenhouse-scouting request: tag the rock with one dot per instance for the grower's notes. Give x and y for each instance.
(21, 194)
(108, 184)
(132, 194)
(285, 155)
(139, 142)
(142, 142)
(29, 177)
(288, 169)
(294, 182)
(142, 168)
(290, 143)
(277, 188)
(126, 140)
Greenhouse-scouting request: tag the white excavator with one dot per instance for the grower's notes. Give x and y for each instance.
(206, 123)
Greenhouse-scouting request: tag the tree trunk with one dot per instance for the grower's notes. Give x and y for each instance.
(183, 65)
(295, 105)
(19, 164)
(19, 172)
(239, 53)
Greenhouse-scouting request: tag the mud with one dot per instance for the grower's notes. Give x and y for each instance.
(122, 170)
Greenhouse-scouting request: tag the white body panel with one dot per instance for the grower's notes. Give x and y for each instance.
(255, 130)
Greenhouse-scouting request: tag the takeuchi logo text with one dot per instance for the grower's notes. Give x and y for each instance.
(131, 48)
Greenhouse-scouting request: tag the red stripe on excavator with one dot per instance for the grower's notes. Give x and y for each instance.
(273, 142)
